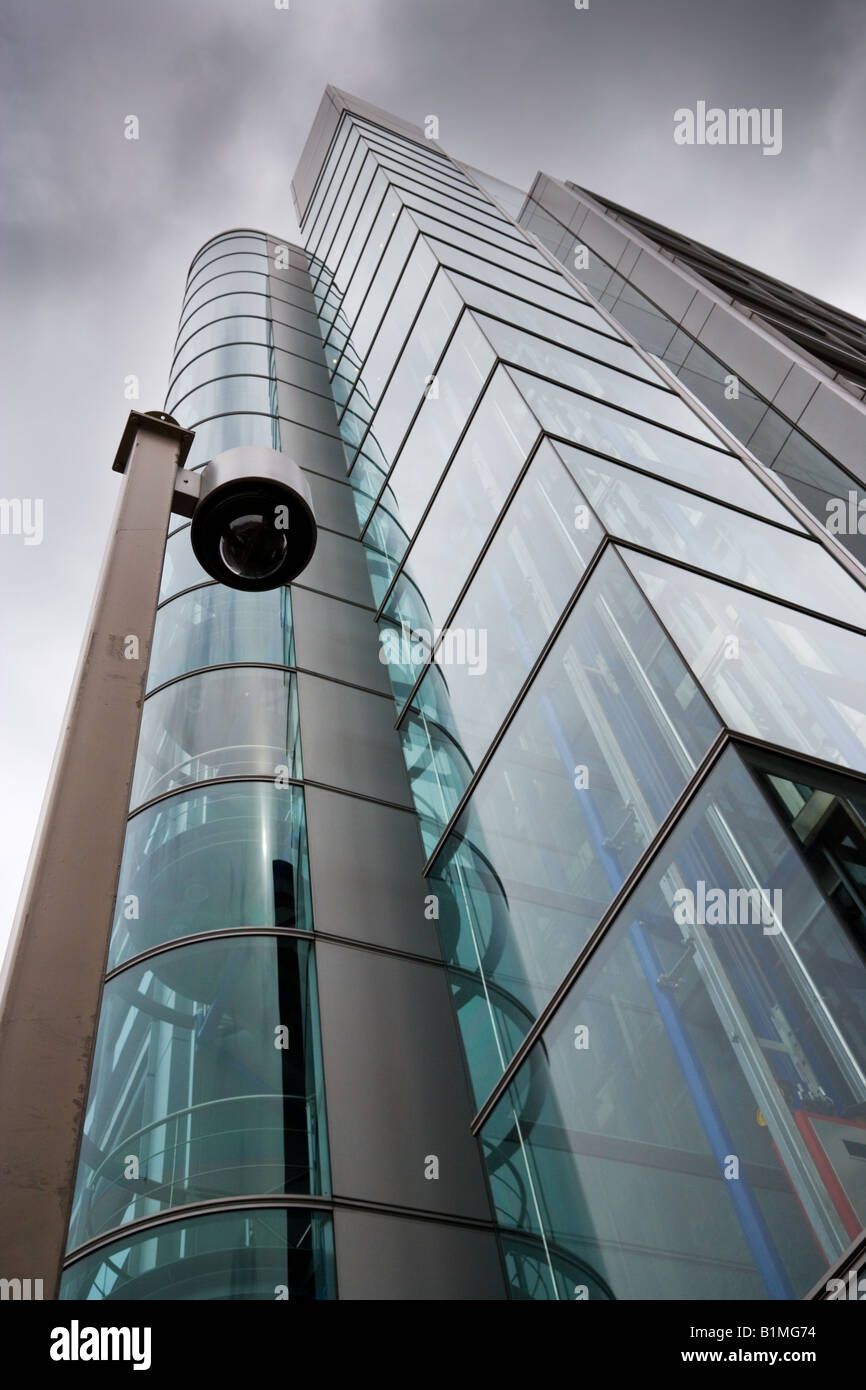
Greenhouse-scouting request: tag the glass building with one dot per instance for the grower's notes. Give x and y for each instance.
(492, 914)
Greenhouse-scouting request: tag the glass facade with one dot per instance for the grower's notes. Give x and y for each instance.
(624, 669)
(627, 678)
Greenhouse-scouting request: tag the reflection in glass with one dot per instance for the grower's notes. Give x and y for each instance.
(215, 625)
(607, 736)
(774, 673)
(230, 855)
(191, 1097)
(230, 723)
(234, 1256)
(465, 508)
(597, 425)
(702, 1033)
(514, 600)
(709, 536)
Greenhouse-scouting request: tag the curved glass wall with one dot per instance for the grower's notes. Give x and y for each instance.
(218, 332)
(214, 625)
(227, 261)
(224, 393)
(231, 356)
(242, 240)
(226, 856)
(235, 722)
(206, 1083)
(237, 1256)
(226, 282)
(223, 432)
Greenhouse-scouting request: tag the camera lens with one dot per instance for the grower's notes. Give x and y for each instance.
(251, 546)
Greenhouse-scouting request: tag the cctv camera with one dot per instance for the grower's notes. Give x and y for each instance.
(253, 525)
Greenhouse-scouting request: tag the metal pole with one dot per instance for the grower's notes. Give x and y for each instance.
(55, 966)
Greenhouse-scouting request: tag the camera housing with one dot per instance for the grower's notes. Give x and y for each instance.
(253, 525)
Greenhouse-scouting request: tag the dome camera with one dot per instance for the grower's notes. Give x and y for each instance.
(253, 525)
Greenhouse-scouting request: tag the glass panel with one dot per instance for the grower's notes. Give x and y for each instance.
(223, 432)
(411, 377)
(473, 490)
(446, 408)
(234, 241)
(339, 197)
(226, 393)
(524, 314)
(235, 328)
(526, 262)
(180, 568)
(191, 1097)
(221, 306)
(348, 219)
(658, 405)
(230, 723)
(693, 1118)
(389, 271)
(226, 360)
(364, 222)
(447, 213)
(241, 281)
(390, 337)
(228, 260)
(596, 425)
(361, 273)
(331, 179)
(554, 361)
(711, 537)
(606, 738)
(774, 673)
(511, 605)
(560, 299)
(500, 268)
(230, 855)
(233, 1257)
(210, 626)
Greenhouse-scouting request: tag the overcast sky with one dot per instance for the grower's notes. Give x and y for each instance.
(98, 230)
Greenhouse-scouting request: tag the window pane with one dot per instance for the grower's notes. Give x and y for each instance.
(230, 855)
(607, 736)
(226, 393)
(190, 1099)
(243, 281)
(596, 425)
(412, 374)
(228, 260)
(511, 605)
(235, 328)
(231, 723)
(437, 427)
(707, 535)
(772, 672)
(214, 625)
(223, 432)
(473, 490)
(238, 1255)
(554, 361)
(390, 338)
(692, 1116)
(226, 360)
(555, 322)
